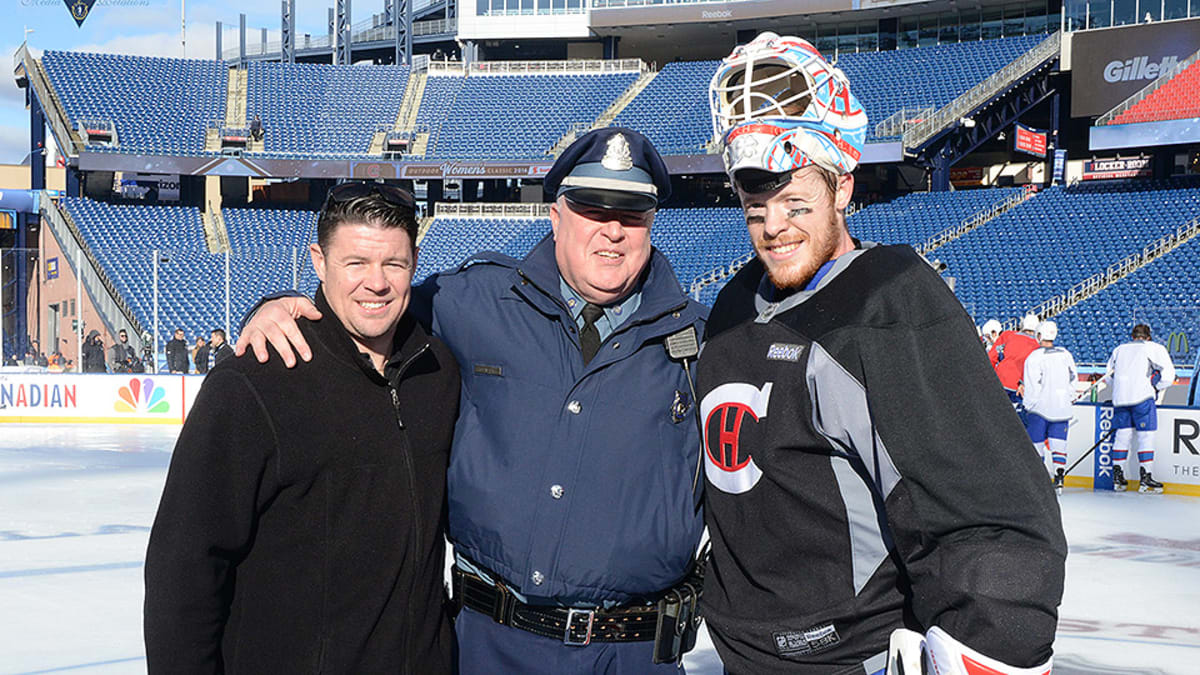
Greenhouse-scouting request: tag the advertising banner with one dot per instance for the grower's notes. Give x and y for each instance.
(1108, 169)
(1029, 141)
(96, 398)
(1109, 65)
(1060, 165)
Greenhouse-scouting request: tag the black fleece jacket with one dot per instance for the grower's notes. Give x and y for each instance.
(301, 529)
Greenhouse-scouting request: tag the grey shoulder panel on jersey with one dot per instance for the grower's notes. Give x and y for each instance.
(841, 414)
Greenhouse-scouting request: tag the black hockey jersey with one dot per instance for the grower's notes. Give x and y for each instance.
(866, 472)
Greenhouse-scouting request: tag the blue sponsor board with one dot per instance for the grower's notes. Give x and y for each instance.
(1103, 474)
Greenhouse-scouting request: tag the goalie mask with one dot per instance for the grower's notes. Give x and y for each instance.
(778, 106)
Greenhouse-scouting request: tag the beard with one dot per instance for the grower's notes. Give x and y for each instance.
(818, 249)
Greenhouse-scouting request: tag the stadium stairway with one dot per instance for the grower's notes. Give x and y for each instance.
(406, 118)
(606, 118)
(925, 133)
(60, 123)
(113, 307)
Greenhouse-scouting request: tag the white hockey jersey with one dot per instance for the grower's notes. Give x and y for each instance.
(1049, 379)
(1131, 369)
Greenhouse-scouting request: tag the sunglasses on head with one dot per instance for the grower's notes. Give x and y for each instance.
(354, 189)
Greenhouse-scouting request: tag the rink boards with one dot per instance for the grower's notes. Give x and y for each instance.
(167, 399)
(49, 398)
(1176, 445)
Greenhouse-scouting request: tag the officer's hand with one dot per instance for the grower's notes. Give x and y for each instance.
(275, 322)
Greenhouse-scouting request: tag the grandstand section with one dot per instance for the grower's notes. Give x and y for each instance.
(310, 109)
(501, 116)
(694, 240)
(919, 217)
(154, 105)
(1176, 98)
(672, 111)
(1165, 294)
(1041, 248)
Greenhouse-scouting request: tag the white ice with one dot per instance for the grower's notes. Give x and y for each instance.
(77, 502)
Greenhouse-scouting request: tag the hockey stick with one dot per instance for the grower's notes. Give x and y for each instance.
(1092, 449)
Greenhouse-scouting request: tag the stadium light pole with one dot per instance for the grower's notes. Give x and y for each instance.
(79, 310)
(154, 337)
(2, 305)
(183, 26)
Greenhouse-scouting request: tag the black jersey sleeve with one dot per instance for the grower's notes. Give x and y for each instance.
(975, 521)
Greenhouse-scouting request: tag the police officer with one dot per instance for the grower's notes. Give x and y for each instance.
(571, 485)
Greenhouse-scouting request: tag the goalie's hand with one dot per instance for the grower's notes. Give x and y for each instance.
(275, 323)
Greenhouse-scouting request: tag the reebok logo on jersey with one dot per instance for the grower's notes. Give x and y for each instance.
(782, 351)
(810, 641)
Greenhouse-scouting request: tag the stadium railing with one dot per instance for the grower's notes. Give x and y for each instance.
(1141, 95)
(111, 305)
(569, 66)
(950, 234)
(982, 92)
(1116, 271)
(491, 210)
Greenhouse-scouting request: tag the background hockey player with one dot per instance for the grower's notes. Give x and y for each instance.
(990, 333)
(1138, 371)
(1008, 353)
(866, 475)
(1049, 380)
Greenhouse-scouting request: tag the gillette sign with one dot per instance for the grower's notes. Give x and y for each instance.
(1138, 68)
(1108, 65)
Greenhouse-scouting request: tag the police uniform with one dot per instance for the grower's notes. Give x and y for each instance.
(570, 483)
(866, 474)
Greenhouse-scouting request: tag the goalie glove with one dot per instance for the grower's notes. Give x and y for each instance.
(936, 653)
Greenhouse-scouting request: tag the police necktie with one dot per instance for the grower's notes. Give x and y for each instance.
(589, 335)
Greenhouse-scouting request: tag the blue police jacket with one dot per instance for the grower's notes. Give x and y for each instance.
(571, 482)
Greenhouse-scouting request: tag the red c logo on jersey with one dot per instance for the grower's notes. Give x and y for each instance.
(728, 466)
(728, 457)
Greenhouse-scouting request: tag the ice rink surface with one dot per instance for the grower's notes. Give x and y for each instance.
(77, 502)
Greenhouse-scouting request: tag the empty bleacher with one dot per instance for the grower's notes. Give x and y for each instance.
(156, 105)
(1178, 98)
(310, 109)
(672, 111)
(917, 217)
(1165, 294)
(517, 116)
(694, 240)
(1041, 248)
(932, 76)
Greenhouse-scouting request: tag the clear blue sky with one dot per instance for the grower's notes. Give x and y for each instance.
(143, 27)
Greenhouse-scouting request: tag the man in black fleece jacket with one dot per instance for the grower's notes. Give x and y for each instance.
(302, 524)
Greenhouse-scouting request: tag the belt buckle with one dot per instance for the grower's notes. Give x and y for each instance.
(571, 616)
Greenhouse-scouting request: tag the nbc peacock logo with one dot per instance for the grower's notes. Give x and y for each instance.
(142, 396)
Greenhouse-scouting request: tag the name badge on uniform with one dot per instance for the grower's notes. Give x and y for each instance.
(680, 406)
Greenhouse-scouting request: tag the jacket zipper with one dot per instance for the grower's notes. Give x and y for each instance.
(418, 533)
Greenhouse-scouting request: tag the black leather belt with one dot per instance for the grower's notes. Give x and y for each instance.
(635, 623)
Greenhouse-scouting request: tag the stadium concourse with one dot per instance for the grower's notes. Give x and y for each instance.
(77, 502)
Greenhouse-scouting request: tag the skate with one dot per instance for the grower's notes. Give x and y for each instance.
(1058, 480)
(1148, 484)
(1119, 484)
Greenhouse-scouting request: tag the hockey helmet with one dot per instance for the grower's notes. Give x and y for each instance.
(1030, 322)
(778, 106)
(992, 327)
(1048, 330)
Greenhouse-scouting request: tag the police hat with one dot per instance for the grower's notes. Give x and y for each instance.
(611, 168)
